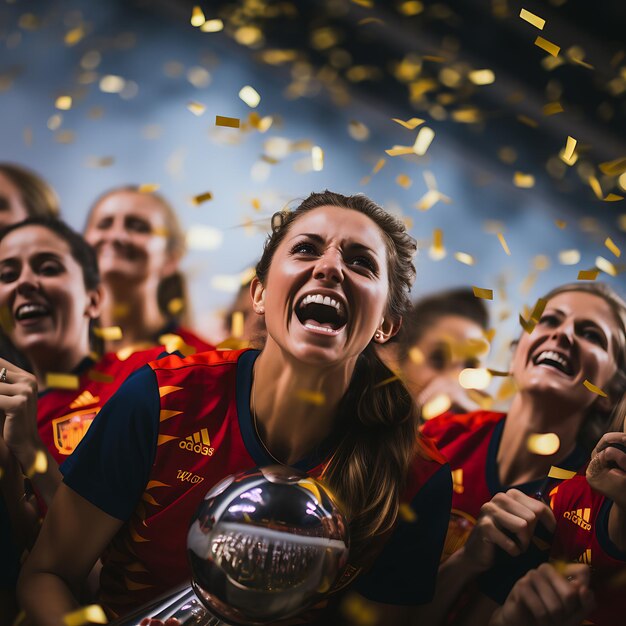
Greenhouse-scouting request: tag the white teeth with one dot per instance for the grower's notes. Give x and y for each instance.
(28, 309)
(320, 299)
(327, 301)
(323, 328)
(552, 356)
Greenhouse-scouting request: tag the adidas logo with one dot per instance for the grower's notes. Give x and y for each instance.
(199, 443)
(457, 481)
(585, 557)
(84, 399)
(580, 517)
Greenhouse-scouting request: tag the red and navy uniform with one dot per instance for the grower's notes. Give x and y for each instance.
(180, 426)
(64, 415)
(582, 516)
(470, 443)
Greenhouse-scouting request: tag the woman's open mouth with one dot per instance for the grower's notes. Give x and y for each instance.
(322, 314)
(31, 313)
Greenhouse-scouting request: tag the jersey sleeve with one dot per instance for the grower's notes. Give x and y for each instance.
(405, 572)
(111, 465)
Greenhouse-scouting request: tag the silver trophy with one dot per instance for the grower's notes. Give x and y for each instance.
(264, 545)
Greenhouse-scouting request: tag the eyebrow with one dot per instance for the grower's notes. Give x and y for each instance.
(320, 239)
(39, 256)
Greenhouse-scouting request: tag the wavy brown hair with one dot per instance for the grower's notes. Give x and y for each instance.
(377, 423)
(39, 199)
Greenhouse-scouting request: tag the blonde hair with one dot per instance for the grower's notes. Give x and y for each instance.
(39, 199)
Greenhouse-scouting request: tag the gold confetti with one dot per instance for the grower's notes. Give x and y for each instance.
(438, 405)
(613, 197)
(386, 381)
(212, 26)
(99, 377)
(528, 326)
(63, 103)
(552, 108)
(148, 187)
(474, 378)
(507, 389)
(399, 150)
(610, 244)
(201, 237)
(72, 37)
(504, 244)
(108, 333)
(548, 46)
(587, 274)
(484, 294)
(463, 257)
(404, 181)
(236, 325)
(533, 19)
(201, 197)
(560, 224)
(112, 84)
(61, 381)
(317, 157)
(175, 306)
(437, 251)
(594, 389)
(606, 266)
(560, 473)
(423, 140)
(594, 183)
(196, 108)
(613, 168)
(411, 7)
(92, 614)
(498, 373)
(175, 343)
(482, 77)
(197, 17)
(379, 166)
(311, 397)
(358, 131)
(369, 20)
(407, 513)
(528, 121)
(568, 156)
(411, 124)
(228, 122)
(569, 257)
(538, 309)
(524, 181)
(250, 96)
(543, 444)
(416, 355)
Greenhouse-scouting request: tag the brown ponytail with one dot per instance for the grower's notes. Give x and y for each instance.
(378, 421)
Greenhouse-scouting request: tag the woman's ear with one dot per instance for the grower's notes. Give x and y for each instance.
(171, 264)
(387, 328)
(257, 292)
(95, 301)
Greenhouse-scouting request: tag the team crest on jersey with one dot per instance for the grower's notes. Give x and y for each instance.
(68, 430)
(199, 443)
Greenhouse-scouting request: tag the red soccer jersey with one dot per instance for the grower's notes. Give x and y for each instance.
(64, 415)
(582, 535)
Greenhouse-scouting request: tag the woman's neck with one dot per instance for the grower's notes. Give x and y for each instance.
(295, 405)
(530, 416)
(136, 310)
(53, 362)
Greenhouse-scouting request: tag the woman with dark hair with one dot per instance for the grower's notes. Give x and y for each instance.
(333, 282)
(570, 372)
(50, 293)
(443, 334)
(139, 243)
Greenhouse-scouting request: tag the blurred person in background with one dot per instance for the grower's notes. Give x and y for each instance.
(140, 243)
(241, 323)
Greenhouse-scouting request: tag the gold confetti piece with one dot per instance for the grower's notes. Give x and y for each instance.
(613, 168)
(61, 381)
(524, 181)
(438, 405)
(498, 373)
(411, 7)
(407, 514)
(358, 131)
(594, 389)
(236, 325)
(560, 224)
(528, 326)
(228, 122)
(548, 46)
(482, 77)
(613, 197)
(543, 444)
(587, 274)
(568, 154)
(250, 96)
(39, 466)
(212, 26)
(594, 183)
(609, 243)
(569, 257)
(72, 37)
(201, 197)
(108, 333)
(552, 108)
(463, 257)
(411, 124)
(368, 4)
(387, 381)
(196, 108)
(437, 251)
(474, 378)
(533, 19)
(416, 355)
(197, 17)
(99, 377)
(503, 243)
(175, 306)
(63, 103)
(369, 20)
(175, 343)
(538, 309)
(423, 140)
(65, 136)
(148, 187)
(399, 150)
(560, 473)
(311, 397)
(317, 157)
(404, 181)
(507, 389)
(528, 121)
(484, 294)
(92, 614)
(112, 84)
(379, 166)
(606, 266)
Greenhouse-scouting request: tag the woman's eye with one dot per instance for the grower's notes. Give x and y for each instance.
(363, 262)
(139, 226)
(50, 269)
(104, 223)
(549, 320)
(438, 359)
(8, 276)
(590, 334)
(303, 248)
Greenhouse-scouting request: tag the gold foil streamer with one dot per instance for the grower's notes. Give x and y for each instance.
(587, 275)
(533, 19)
(201, 197)
(610, 244)
(61, 381)
(504, 244)
(548, 46)
(594, 389)
(108, 333)
(411, 124)
(484, 294)
(560, 473)
(228, 122)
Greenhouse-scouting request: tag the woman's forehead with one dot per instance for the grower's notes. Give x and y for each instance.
(33, 238)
